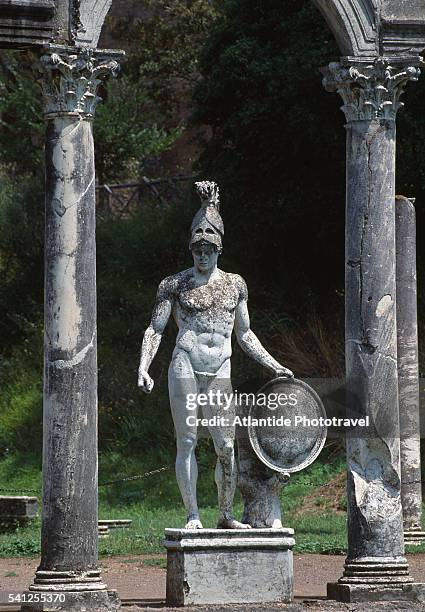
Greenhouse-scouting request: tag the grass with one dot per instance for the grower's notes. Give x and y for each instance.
(154, 504)
(314, 533)
(322, 533)
(155, 563)
(157, 506)
(128, 418)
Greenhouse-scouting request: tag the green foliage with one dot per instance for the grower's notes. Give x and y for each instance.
(148, 102)
(277, 146)
(21, 470)
(165, 46)
(277, 149)
(21, 259)
(132, 126)
(155, 562)
(154, 503)
(321, 532)
(134, 254)
(21, 123)
(126, 128)
(300, 484)
(343, 503)
(21, 415)
(125, 131)
(20, 545)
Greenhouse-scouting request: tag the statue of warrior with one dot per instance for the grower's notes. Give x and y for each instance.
(207, 304)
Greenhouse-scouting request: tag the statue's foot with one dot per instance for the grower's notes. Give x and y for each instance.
(194, 523)
(277, 524)
(228, 522)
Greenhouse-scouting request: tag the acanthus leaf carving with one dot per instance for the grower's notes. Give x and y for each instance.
(370, 90)
(71, 77)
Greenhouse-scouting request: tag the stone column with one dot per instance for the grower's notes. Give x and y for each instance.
(408, 371)
(69, 534)
(375, 567)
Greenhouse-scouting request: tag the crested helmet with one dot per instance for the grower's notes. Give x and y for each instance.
(207, 224)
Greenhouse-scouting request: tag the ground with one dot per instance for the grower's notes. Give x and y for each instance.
(133, 559)
(141, 582)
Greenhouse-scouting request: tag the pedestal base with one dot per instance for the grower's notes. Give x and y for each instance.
(351, 593)
(103, 531)
(225, 566)
(68, 601)
(16, 511)
(414, 537)
(67, 590)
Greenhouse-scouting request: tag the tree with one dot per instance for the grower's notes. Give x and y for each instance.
(278, 149)
(165, 47)
(277, 146)
(127, 132)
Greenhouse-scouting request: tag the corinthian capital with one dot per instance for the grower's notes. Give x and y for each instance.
(71, 77)
(370, 90)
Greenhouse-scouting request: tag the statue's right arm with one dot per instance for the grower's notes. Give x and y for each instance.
(153, 334)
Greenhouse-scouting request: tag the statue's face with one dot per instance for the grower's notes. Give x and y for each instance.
(205, 256)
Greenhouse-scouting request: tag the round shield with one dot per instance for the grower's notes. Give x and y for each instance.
(287, 425)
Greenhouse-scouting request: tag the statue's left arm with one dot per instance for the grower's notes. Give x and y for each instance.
(248, 341)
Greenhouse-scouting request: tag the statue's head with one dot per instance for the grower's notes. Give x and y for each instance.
(205, 256)
(207, 225)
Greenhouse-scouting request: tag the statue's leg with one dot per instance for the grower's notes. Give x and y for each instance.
(182, 386)
(223, 436)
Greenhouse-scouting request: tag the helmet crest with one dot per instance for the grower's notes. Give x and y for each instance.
(207, 224)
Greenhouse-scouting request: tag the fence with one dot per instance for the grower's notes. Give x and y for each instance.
(120, 198)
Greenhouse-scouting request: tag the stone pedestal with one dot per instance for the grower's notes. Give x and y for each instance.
(105, 525)
(408, 372)
(16, 511)
(223, 566)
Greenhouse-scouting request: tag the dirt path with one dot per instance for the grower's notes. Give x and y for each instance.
(142, 585)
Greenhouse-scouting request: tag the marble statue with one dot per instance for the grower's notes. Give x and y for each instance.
(207, 304)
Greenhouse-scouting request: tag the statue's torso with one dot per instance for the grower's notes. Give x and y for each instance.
(205, 316)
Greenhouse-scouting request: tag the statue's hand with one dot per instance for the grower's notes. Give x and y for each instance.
(145, 381)
(283, 372)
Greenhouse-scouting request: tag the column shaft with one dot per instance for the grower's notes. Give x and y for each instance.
(408, 368)
(70, 390)
(69, 534)
(374, 504)
(375, 567)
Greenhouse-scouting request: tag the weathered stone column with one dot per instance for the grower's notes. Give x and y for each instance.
(375, 567)
(408, 371)
(69, 555)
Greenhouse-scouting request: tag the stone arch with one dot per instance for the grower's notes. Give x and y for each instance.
(89, 21)
(353, 23)
(368, 28)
